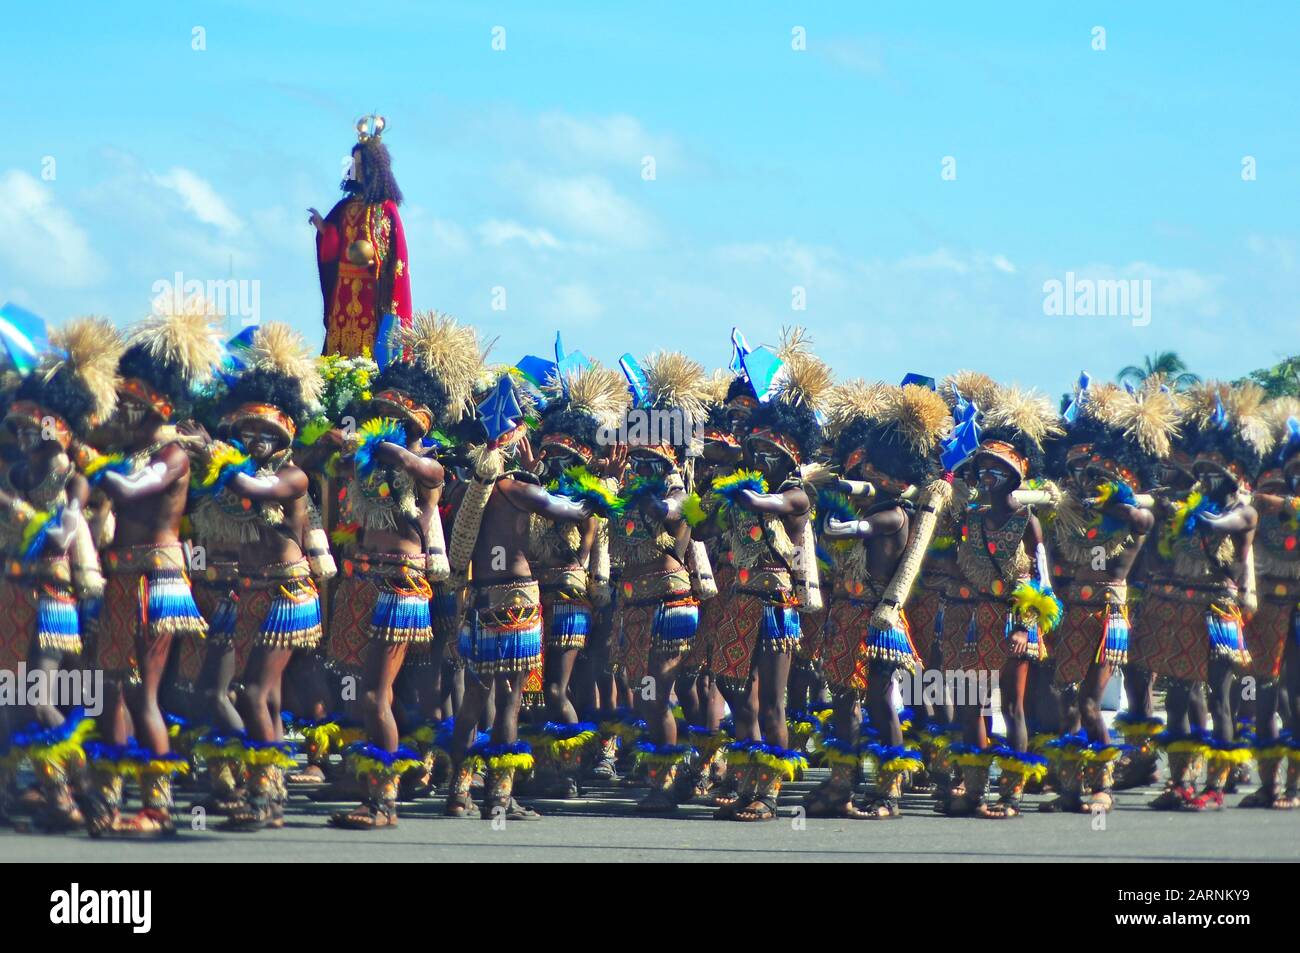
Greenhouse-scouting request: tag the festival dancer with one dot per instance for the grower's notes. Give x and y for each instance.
(147, 598)
(1097, 529)
(887, 438)
(264, 508)
(1142, 729)
(1003, 604)
(1273, 634)
(658, 609)
(51, 565)
(584, 407)
(393, 490)
(501, 636)
(763, 515)
(729, 404)
(216, 518)
(365, 274)
(1192, 606)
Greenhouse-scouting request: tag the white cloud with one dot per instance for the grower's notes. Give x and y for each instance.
(1281, 253)
(496, 232)
(42, 241)
(588, 205)
(618, 139)
(200, 199)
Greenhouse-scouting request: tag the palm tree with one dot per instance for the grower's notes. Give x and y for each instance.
(1167, 364)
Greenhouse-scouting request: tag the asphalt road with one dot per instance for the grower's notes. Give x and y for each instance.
(602, 827)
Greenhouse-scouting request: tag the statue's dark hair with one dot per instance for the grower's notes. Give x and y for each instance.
(377, 184)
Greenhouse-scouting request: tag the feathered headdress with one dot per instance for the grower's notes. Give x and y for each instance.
(1091, 436)
(169, 353)
(431, 383)
(281, 385)
(972, 386)
(893, 430)
(1018, 423)
(586, 402)
(676, 394)
(76, 384)
(1283, 416)
(1226, 426)
(791, 419)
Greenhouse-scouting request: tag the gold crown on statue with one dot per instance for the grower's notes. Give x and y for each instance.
(370, 127)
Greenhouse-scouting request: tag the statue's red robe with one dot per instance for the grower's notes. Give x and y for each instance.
(358, 296)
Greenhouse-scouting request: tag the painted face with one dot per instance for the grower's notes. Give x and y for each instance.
(132, 411)
(1080, 473)
(648, 466)
(28, 437)
(993, 474)
(1215, 479)
(555, 461)
(260, 442)
(768, 458)
(356, 166)
(1169, 475)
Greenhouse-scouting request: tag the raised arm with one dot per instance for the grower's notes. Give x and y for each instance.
(155, 478)
(283, 487)
(425, 470)
(534, 499)
(790, 503)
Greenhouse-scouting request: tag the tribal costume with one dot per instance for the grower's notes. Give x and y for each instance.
(51, 567)
(1112, 444)
(777, 577)
(384, 601)
(1273, 633)
(889, 435)
(1192, 605)
(148, 601)
(584, 403)
(1003, 591)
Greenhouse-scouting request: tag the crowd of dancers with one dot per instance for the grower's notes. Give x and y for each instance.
(432, 575)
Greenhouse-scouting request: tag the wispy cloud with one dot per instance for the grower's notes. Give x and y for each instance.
(200, 199)
(43, 242)
(495, 232)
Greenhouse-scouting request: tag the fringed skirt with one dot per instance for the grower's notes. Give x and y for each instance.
(1089, 635)
(1275, 622)
(402, 614)
(653, 633)
(843, 655)
(567, 623)
(892, 646)
(502, 631)
(36, 614)
(147, 595)
(284, 617)
(1180, 630)
(757, 624)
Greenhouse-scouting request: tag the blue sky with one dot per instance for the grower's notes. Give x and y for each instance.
(775, 169)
